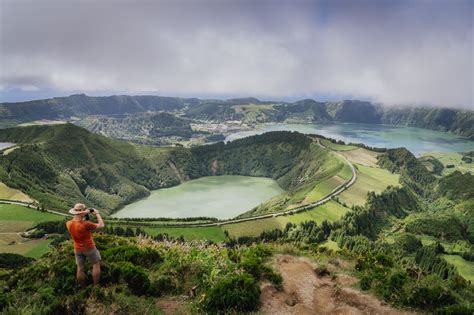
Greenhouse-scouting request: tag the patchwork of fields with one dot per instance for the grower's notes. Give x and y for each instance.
(331, 211)
(16, 219)
(454, 159)
(368, 179)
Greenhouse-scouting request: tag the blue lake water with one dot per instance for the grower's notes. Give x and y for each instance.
(4, 145)
(417, 140)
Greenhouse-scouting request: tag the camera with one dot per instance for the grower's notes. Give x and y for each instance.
(87, 215)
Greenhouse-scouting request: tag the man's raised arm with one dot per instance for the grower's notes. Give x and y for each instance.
(100, 222)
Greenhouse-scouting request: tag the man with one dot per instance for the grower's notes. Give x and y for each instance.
(84, 246)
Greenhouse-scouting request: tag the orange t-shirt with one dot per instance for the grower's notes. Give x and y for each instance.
(81, 234)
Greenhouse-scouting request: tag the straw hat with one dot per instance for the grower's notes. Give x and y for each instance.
(79, 208)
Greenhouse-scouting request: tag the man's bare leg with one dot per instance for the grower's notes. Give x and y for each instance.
(96, 273)
(81, 276)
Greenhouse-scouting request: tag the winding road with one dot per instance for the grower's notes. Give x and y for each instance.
(338, 190)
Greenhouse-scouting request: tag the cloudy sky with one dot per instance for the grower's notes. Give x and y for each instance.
(394, 52)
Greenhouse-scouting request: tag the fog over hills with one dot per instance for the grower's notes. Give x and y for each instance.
(393, 52)
(458, 121)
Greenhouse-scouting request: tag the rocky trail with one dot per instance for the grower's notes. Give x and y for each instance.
(306, 292)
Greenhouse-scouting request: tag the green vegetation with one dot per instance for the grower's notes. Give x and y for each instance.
(432, 164)
(456, 186)
(412, 172)
(141, 128)
(465, 268)
(323, 189)
(368, 179)
(15, 219)
(41, 248)
(248, 110)
(20, 213)
(212, 233)
(135, 272)
(337, 146)
(58, 165)
(330, 211)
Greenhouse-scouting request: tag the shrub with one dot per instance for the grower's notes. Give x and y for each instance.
(409, 243)
(322, 270)
(365, 282)
(253, 266)
(135, 277)
(239, 293)
(391, 288)
(13, 261)
(431, 292)
(145, 257)
(161, 286)
(456, 309)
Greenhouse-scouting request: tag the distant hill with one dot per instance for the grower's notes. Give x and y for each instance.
(141, 127)
(59, 165)
(457, 121)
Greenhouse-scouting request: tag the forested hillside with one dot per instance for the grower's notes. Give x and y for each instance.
(141, 128)
(58, 165)
(457, 121)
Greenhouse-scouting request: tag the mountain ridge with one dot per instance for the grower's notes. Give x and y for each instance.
(458, 121)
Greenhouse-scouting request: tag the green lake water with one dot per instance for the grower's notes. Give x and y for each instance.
(225, 197)
(417, 140)
(222, 197)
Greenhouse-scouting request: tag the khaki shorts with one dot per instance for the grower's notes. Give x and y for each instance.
(93, 256)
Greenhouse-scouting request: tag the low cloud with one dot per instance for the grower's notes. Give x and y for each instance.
(395, 53)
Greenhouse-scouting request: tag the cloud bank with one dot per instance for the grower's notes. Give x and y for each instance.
(394, 52)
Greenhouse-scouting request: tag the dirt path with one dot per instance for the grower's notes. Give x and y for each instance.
(304, 292)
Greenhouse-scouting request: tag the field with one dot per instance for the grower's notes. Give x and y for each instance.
(368, 179)
(362, 156)
(15, 219)
(452, 159)
(330, 211)
(323, 189)
(15, 213)
(8, 193)
(337, 147)
(465, 268)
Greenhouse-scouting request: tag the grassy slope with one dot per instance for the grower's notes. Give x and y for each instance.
(362, 156)
(8, 193)
(20, 213)
(336, 146)
(322, 189)
(452, 158)
(465, 268)
(368, 179)
(323, 171)
(330, 211)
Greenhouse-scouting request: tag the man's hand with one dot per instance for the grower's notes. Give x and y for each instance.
(100, 222)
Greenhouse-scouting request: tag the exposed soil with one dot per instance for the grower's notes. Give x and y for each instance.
(304, 292)
(173, 306)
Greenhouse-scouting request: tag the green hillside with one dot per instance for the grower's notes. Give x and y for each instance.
(58, 165)
(457, 121)
(143, 128)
